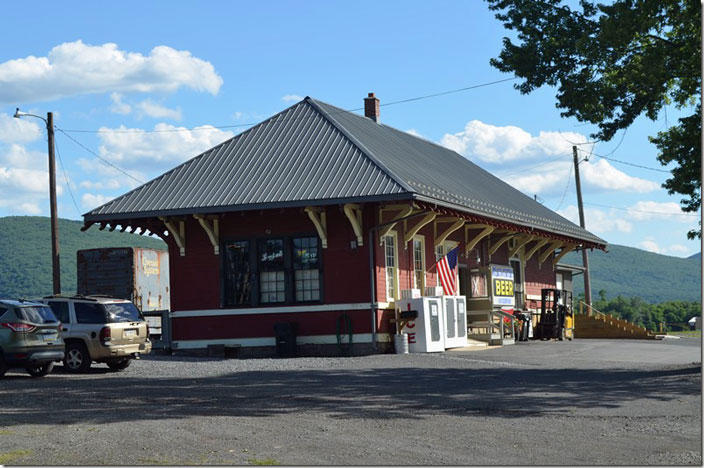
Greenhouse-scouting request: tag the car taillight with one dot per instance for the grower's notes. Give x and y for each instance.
(105, 336)
(19, 327)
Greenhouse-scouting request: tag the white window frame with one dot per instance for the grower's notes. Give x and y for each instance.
(422, 261)
(392, 297)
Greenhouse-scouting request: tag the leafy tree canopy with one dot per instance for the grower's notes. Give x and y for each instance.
(612, 63)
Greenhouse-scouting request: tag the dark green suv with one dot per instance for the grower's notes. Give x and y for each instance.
(30, 337)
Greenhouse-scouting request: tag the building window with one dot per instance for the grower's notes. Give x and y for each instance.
(419, 263)
(306, 269)
(391, 266)
(272, 271)
(237, 273)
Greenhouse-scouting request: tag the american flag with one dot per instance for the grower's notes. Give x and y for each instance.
(446, 271)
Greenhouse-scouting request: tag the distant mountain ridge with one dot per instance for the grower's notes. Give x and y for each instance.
(697, 255)
(25, 253)
(632, 272)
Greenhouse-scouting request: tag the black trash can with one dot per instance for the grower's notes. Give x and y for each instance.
(285, 333)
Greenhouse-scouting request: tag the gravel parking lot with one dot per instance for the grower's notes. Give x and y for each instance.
(596, 402)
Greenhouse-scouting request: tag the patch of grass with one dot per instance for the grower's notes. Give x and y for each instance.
(262, 462)
(688, 333)
(9, 457)
(6, 432)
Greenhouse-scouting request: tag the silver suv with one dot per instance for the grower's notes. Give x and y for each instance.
(101, 329)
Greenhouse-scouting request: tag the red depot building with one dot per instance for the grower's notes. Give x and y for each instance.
(321, 217)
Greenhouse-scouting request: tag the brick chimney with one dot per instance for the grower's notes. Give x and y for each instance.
(371, 107)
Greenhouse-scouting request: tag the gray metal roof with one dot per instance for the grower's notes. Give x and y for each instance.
(315, 153)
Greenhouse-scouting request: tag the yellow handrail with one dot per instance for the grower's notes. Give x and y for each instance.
(590, 310)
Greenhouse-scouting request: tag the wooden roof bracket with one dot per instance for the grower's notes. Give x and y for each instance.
(87, 225)
(544, 256)
(565, 250)
(493, 248)
(535, 248)
(213, 231)
(427, 219)
(405, 211)
(440, 238)
(522, 240)
(470, 244)
(179, 234)
(317, 215)
(354, 214)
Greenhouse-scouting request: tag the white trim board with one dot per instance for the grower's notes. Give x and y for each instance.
(276, 310)
(270, 341)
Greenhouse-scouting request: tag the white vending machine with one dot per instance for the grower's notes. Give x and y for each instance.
(455, 318)
(426, 332)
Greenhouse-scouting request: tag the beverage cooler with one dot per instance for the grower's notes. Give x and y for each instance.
(454, 312)
(426, 334)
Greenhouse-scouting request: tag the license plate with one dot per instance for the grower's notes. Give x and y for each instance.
(49, 336)
(130, 333)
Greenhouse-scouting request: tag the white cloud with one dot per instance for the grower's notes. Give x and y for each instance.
(75, 68)
(90, 200)
(24, 180)
(119, 107)
(597, 221)
(103, 185)
(168, 146)
(291, 98)
(602, 175)
(650, 245)
(158, 111)
(493, 144)
(678, 250)
(414, 132)
(21, 130)
(651, 210)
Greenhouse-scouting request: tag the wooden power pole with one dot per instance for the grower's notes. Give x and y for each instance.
(56, 268)
(585, 256)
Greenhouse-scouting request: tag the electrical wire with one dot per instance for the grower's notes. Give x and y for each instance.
(569, 179)
(100, 158)
(63, 169)
(631, 164)
(210, 127)
(643, 211)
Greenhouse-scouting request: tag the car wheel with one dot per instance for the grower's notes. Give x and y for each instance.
(76, 358)
(40, 371)
(119, 365)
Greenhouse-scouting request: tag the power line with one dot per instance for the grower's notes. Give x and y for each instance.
(97, 156)
(210, 127)
(642, 211)
(569, 179)
(631, 164)
(68, 185)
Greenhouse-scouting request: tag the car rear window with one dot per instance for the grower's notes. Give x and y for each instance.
(123, 312)
(36, 314)
(88, 313)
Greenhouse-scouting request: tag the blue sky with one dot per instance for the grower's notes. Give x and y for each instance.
(199, 72)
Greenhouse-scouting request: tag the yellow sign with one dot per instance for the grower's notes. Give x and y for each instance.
(503, 287)
(150, 267)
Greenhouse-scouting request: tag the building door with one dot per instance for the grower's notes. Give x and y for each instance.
(517, 282)
(464, 280)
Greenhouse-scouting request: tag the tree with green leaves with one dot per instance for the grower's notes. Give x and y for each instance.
(612, 63)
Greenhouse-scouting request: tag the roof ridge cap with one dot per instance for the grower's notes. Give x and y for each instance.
(328, 116)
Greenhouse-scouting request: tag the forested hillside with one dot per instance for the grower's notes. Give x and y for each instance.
(631, 272)
(25, 253)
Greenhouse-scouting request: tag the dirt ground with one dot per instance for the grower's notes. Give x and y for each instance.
(585, 402)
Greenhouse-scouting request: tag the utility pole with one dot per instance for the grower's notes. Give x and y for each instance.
(585, 256)
(55, 266)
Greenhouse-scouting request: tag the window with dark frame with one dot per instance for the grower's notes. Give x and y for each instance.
(272, 271)
(237, 274)
(306, 269)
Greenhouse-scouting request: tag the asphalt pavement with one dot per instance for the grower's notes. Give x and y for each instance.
(584, 402)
